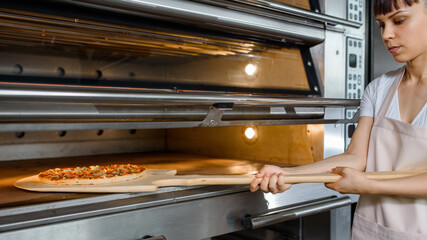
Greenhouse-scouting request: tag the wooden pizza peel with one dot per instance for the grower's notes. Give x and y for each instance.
(155, 178)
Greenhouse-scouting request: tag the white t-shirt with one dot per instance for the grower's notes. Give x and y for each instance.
(375, 93)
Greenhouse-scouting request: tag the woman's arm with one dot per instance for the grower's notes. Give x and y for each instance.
(354, 157)
(353, 181)
(414, 187)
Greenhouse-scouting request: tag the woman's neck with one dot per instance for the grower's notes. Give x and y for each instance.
(416, 69)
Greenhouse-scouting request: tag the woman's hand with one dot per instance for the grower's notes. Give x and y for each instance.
(351, 181)
(270, 179)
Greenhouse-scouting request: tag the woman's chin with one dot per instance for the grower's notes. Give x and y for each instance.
(400, 58)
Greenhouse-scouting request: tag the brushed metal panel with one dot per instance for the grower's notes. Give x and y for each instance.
(334, 88)
(187, 218)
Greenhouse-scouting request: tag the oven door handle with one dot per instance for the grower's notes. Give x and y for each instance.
(276, 216)
(148, 237)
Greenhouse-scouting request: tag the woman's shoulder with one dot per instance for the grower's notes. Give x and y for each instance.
(391, 75)
(384, 81)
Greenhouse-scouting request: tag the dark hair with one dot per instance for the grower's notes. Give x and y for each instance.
(382, 7)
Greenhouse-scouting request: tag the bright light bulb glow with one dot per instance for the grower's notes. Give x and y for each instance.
(249, 133)
(250, 69)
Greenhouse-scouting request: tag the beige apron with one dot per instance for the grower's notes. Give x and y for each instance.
(393, 145)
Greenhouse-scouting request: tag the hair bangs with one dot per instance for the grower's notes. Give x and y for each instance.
(382, 7)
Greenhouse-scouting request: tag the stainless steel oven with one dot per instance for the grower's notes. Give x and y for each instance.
(177, 84)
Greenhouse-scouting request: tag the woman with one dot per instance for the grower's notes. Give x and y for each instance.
(391, 135)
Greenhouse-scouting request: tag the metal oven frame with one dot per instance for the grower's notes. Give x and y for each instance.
(192, 212)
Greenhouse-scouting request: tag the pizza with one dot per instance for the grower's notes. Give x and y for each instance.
(92, 175)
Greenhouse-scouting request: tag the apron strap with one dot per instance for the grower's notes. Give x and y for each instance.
(389, 97)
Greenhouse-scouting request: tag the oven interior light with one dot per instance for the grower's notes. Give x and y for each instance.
(250, 69)
(249, 133)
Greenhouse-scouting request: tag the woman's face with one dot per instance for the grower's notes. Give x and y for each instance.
(404, 31)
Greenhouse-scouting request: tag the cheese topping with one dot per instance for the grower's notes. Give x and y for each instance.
(91, 172)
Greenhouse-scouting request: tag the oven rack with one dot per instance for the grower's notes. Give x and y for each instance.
(37, 107)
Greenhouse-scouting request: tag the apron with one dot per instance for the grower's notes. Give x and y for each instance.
(393, 145)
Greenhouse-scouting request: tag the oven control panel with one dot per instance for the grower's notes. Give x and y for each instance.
(355, 10)
(354, 79)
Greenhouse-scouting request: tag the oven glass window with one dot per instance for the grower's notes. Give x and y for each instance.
(63, 50)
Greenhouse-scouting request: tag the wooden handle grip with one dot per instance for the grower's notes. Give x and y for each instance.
(194, 180)
(330, 177)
